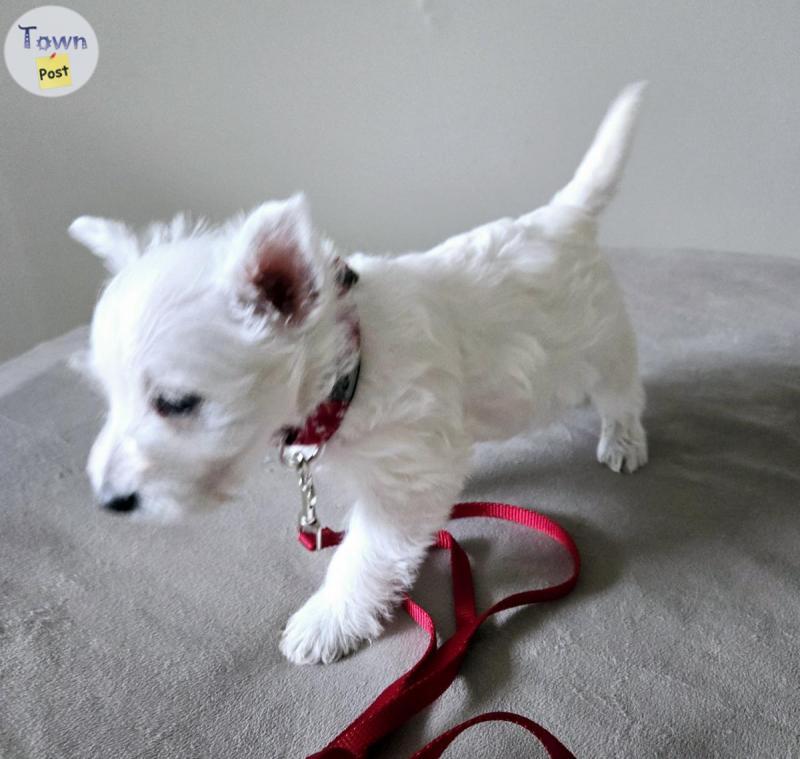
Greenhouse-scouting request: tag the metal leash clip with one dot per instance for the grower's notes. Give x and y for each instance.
(301, 463)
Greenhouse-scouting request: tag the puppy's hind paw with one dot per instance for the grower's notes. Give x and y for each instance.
(622, 447)
(320, 633)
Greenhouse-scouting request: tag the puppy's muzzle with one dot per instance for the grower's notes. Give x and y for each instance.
(122, 504)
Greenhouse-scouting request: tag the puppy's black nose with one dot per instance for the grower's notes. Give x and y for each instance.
(123, 503)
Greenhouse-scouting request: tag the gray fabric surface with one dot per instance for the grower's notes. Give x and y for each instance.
(127, 640)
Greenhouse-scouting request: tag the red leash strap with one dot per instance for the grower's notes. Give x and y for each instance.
(438, 666)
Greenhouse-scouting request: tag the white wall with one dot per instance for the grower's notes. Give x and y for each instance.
(404, 121)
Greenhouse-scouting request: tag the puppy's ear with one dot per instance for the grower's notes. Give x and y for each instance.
(110, 240)
(274, 261)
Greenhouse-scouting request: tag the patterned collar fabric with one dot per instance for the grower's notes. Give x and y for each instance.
(327, 417)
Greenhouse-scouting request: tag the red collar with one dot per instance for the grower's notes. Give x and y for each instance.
(326, 418)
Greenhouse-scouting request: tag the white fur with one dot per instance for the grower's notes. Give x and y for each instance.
(481, 337)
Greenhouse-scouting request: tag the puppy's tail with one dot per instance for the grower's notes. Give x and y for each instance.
(598, 176)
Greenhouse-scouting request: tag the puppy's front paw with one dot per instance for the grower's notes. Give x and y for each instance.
(622, 447)
(321, 632)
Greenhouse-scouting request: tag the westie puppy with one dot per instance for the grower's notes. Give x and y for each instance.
(209, 343)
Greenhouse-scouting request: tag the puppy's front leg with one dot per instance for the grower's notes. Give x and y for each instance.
(376, 563)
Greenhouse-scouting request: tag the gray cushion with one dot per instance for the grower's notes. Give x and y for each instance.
(120, 639)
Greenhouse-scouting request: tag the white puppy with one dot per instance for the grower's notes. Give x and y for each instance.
(209, 342)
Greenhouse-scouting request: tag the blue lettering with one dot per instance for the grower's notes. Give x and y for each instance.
(27, 30)
(58, 43)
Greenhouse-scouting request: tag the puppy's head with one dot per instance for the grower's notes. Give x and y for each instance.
(205, 343)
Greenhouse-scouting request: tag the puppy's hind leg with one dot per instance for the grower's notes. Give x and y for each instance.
(619, 398)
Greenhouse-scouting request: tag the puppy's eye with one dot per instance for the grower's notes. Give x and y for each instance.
(181, 406)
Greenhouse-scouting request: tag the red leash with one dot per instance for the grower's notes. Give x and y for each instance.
(438, 666)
